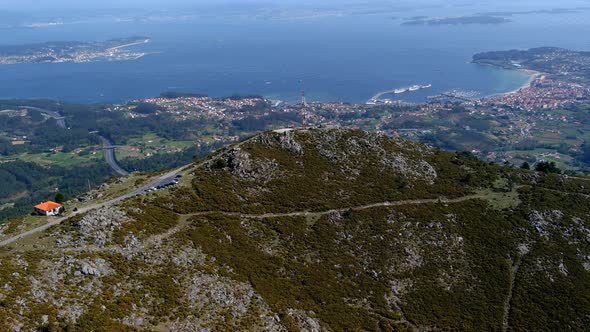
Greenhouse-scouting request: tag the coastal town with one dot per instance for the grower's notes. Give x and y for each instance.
(543, 93)
(546, 118)
(515, 127)
(73, 52)
(190, 107)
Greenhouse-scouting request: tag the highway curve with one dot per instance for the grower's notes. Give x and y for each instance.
(109, 155)
(107, 146)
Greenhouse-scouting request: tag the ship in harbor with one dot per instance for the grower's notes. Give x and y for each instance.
(412, 88)
(377, 98)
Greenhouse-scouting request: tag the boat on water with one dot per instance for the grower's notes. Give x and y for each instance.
(376, 99)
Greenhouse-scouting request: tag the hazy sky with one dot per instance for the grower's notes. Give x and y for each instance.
(170, 4)
(64, 4)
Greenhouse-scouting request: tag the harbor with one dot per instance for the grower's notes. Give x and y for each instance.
(455, 95)
(377, 99)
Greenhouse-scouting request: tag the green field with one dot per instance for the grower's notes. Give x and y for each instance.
(59, 158)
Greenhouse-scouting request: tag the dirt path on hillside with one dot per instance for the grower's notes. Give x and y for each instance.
(242, 215)
(116, 200)
(327, 212)
(513, 269)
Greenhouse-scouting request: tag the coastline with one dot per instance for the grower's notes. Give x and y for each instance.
(533, 75)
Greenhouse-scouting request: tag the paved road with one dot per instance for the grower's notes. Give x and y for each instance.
(107, 146)
(162, 179)
(109, 155)
(61, 122)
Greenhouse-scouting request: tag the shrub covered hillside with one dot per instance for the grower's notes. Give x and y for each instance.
(319, 230)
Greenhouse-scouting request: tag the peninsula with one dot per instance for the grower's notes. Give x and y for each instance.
(73, 52)
(461, 20)
(563, 64)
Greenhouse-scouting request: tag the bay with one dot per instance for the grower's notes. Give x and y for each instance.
(347, 58)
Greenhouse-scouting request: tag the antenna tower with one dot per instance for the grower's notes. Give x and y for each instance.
(303, 99)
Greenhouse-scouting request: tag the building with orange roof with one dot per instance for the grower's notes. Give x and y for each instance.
(48, 209)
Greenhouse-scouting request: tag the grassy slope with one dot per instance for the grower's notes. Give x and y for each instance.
(436, 265)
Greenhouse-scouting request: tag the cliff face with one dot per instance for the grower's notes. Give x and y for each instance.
(318, 230)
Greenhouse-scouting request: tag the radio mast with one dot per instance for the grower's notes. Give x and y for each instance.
(303, 100)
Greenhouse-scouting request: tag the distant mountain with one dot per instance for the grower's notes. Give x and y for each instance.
(318, 230)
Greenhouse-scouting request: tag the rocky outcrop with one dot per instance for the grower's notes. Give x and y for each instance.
(541, 221)
(351, 152)
(284, 139)
(96, 228)
(241, 165)
(97, 267)
(220, 300)
(305, 321)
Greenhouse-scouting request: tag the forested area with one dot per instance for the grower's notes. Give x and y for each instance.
(27, 183)
(83, 120)
(161, 162)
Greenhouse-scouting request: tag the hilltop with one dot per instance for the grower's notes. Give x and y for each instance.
(317, 230)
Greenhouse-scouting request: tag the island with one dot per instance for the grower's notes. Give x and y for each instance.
(462, 20)
(554, 11)
(73, 52)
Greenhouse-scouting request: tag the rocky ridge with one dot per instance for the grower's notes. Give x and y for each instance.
(284, 232)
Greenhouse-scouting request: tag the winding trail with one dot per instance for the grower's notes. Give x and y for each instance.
(327, 212)
(507, 303)
(233, 214)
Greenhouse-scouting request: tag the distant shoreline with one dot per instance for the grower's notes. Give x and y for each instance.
(533, 75)
(72, 52)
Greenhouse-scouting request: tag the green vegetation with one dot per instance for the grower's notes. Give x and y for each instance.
(59, 198)
(151, 220)
(27, 184)
(295, 225)
(315, 263)
(37, 156)
(158, 135)
(547, 167)
(313, 182)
